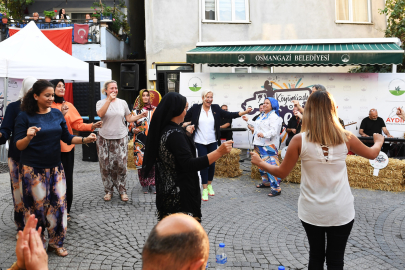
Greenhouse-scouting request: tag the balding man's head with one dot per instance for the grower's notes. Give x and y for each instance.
(373, 114)
(176, 242)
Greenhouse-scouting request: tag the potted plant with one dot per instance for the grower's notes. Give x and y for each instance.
(95, 16)
(49, 15)
(4, 18)
(106, 12)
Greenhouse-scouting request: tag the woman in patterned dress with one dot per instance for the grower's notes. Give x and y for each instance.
(38, 131)
(140, 130)
(266, 141)
(171, 150)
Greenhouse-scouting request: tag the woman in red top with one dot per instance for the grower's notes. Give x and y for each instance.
(73, 121)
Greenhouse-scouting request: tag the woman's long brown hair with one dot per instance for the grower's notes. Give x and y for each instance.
(321, 122)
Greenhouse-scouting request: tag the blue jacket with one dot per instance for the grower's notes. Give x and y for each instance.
(193, 115)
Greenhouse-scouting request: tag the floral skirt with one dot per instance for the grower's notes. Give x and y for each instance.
(269, 154)
(44, 194)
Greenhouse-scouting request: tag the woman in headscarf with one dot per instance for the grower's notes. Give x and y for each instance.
(140, 130)
(172, 151)
(7, 133)
(266, 141)
(73, 121)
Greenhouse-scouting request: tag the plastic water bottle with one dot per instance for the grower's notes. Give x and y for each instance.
(281, 268)
(248, 153)
(221, 258)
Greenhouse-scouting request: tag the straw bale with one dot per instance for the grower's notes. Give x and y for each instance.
(228, 165)
(131, 160)
(254, 173)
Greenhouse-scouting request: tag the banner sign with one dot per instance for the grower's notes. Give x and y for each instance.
(354, 93)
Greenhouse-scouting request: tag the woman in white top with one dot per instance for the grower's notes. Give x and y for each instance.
(266, 139)
(112, 140)
(325, 205)
(206, 118)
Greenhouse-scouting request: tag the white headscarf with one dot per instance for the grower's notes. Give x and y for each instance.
(26, 86)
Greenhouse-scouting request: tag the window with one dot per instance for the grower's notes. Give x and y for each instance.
(226, 10)
(353, 11)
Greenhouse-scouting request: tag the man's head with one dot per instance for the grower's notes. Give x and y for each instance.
(373, 114)
(224, 107)
(35, 15)
(176, 242)
(88, 16)
(261, 107)
(318, 87)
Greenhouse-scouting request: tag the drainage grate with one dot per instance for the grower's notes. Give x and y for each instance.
(3, 168)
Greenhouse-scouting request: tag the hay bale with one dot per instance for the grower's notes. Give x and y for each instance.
(254, 173)
(228, 165)
(360, 174)
(131, 159)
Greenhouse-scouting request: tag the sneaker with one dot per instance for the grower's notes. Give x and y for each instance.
(210, 190)
(204, 195)
(153, 189)
(145, 190)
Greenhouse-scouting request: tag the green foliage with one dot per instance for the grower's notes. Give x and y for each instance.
(95, 15)
(395, 12)
(49, 14)
(4, 11)
(119, 17)
(16, 7)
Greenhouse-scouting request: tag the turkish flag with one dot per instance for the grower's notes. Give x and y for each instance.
(81, 32)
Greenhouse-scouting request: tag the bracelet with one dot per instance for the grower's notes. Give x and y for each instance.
(82, 139)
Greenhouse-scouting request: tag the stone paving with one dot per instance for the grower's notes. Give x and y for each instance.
(259, 232)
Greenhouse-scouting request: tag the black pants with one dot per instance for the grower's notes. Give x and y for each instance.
(336, 239)
(68, 162)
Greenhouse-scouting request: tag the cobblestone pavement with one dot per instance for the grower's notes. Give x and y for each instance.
(259, 232)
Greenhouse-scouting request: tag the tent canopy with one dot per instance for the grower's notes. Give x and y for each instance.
(31, 53)
(321, 52)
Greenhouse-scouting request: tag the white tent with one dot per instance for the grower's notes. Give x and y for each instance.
(31, 53)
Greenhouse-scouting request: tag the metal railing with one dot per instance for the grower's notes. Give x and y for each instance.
(94, 28)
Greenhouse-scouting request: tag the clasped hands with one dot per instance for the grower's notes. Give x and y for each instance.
(30, 251)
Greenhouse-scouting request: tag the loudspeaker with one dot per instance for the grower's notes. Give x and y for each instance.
(129, 76)
(90, 150)
(81, 97)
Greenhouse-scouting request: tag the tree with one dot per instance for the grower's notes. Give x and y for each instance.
(395, 12)
(17, 7)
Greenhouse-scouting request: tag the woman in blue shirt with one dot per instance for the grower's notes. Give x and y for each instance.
(7, 133)
(38, 131)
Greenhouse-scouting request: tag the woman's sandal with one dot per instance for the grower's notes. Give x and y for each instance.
(124, 197)
(107, 197)
(262, 186)
(62, 252)
(274, 193)
(68, 217)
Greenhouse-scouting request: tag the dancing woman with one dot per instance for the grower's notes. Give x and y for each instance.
(266, 141)
(325, 204)
(38, 131)
(206, 118)
(73, 121)
(172, 151)
(112, 140)
(140, 130)
(7, 133)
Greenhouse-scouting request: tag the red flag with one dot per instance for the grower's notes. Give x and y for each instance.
(81, 33)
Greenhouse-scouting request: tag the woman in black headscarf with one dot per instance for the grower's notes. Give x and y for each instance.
(172, 151)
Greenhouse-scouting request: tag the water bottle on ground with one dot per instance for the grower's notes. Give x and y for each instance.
(221, 258)
(281, 268)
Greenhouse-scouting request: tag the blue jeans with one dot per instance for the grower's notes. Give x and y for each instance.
(208, 173)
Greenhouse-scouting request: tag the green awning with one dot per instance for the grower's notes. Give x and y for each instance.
(330, 54)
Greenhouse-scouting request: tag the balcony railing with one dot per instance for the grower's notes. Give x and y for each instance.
(94, 28)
